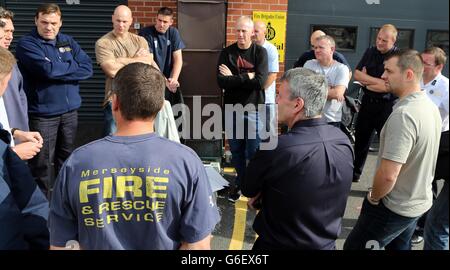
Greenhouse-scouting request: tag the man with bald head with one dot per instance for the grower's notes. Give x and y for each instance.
(309, 55)
(242, 73)
(273, 68)
(117, 49)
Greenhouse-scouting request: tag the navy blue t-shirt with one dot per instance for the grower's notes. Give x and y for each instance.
(162, 46)
(139, 192)
(373, 61)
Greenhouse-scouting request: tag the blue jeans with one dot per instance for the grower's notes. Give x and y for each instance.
(243, 149)
(378, 227)
(436, 226)
(109, 124)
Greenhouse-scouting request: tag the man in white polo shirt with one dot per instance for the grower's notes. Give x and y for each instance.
(434, 83)
(269, 86)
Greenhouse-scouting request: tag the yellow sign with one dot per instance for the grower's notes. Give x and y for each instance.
(276, 29)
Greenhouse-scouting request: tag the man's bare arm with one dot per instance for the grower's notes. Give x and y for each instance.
(371, 83)
(270, 79)
(177, 65)
(385, 178)
(336, 92)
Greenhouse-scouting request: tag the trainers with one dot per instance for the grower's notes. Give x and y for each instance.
(234, 196)
(355, 180)
(416, 239)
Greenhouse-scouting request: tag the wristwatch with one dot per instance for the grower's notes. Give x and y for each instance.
(13, 130)
(370, 199)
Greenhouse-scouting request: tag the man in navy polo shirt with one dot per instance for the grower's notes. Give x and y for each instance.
(52, 64)
(166, 45)
(304, 182)
(377, 102)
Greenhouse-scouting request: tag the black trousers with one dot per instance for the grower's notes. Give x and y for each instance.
(59, 134)
(372, 116)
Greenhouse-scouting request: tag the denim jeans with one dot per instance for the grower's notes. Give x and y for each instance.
(59, 134)
(436, 226)
(243, 149)
(109, 124)
(378, 227)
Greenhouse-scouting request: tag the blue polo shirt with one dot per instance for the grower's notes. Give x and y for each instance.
(162, 46)
(304, 183)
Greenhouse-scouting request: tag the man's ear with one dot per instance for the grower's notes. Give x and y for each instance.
(299, 104)
(409, 74)
(114, 103)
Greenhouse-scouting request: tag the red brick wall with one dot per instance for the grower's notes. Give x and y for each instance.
(144, 12)
(237, 8)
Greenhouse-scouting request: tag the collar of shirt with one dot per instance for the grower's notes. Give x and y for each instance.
(309, 123)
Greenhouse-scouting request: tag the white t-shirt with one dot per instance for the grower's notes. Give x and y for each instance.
(272, 59)
(437, 91)
(336, 74)
(4, 119)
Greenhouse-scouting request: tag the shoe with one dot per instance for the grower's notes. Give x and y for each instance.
(234, 196)
(416, 239)
(355, 180)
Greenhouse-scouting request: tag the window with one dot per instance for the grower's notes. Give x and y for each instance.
(405, 37)
(344, 36)
(438, 38)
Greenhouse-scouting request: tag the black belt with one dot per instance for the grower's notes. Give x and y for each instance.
(369, 99)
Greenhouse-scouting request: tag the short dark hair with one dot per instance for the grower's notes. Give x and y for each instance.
(48, 9)
(140, 90)
(408, 59)
(166, 11)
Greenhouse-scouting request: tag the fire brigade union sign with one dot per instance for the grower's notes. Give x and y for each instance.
(276, 29)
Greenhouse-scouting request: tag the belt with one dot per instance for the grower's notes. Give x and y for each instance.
(375, 99)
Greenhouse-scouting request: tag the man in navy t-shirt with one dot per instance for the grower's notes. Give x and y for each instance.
(166, 45)
(134, 189)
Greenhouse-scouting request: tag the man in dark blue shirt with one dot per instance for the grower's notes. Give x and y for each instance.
(304, 183)
(52, 64)
(166, 44)
(377, 102)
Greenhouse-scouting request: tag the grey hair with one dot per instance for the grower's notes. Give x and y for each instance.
(310, 86)
(329, 38)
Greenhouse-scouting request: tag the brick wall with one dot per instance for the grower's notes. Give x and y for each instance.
(144, 12)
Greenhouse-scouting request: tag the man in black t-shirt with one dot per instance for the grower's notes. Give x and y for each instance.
(377, 102)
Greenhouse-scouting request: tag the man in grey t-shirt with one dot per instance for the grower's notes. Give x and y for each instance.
(409, 141)
(337, 75)
(134, 189)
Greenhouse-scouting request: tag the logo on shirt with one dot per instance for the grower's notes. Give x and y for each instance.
(120, 195)
(64, 49)
(244, 66)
